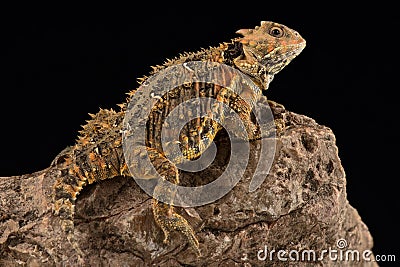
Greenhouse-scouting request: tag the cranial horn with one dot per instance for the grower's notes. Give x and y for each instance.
(244, 32)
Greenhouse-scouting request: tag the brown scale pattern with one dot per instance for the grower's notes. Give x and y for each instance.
(98, 154)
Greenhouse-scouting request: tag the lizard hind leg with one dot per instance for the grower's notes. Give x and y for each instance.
(164, 214)
(168, 220)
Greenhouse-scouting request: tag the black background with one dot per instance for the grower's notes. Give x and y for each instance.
(60, 65)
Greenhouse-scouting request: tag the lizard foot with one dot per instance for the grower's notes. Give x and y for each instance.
(166, 217)
(279, 113)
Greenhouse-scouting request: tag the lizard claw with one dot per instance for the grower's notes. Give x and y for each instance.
(166, 240)
(168, 220)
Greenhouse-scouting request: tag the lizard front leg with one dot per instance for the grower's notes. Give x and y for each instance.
(279, 113)
(268, 119)
(271, 125)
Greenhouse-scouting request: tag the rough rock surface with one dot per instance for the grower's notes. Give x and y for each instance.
(301, 206)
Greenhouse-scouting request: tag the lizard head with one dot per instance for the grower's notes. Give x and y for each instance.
(264, 51)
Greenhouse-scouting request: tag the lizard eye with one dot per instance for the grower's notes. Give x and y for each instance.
(276, 32)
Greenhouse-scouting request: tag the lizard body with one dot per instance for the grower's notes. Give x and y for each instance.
(98, 153)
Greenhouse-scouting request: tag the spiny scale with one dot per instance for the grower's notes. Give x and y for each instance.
(98, 153)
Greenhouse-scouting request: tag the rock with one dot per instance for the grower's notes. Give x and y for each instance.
(300, 209)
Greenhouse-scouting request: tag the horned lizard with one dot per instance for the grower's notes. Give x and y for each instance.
(259, 53)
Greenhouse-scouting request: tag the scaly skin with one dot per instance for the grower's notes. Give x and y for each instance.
(98, 155)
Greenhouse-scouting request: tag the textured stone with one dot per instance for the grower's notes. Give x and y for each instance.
(301, 205)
